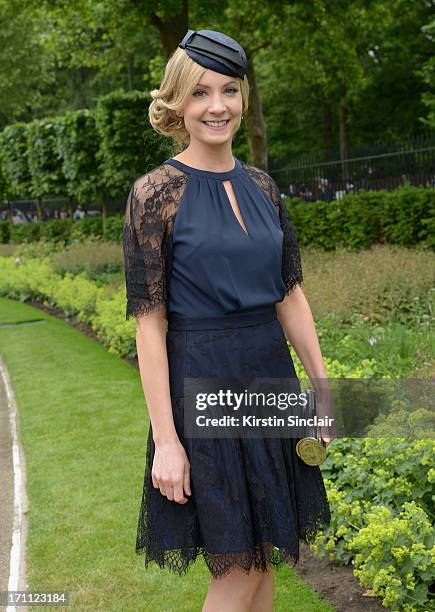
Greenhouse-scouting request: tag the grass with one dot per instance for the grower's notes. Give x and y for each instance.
(83, 425)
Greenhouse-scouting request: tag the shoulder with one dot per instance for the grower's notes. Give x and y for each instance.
(263, 180)
(157, 187)
(156, 179)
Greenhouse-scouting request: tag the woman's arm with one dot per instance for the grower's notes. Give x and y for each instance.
(171, 468)
(294, 314)
(154, 373)
(146, 291)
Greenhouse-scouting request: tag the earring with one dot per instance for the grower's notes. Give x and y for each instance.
(242, 116)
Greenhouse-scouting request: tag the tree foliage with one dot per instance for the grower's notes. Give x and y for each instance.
(328, 74)
(45, 164)
(14, 160)
(77, 144)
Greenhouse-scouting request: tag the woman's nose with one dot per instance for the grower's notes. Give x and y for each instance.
(217, 103)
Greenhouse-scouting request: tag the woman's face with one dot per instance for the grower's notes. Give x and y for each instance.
(216, 97)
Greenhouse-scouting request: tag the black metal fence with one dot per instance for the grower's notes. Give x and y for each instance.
(369, 167)
(311, 177)
(25, 211)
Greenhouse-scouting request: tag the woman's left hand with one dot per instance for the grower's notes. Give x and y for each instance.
(325, 409)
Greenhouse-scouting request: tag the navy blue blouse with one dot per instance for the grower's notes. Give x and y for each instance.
(184, 247)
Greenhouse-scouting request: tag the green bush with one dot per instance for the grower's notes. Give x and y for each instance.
(382, 471)
(114, 225)
(128, 144)
(15, 160)
(76, 296)
(409, 217)
(82, 229)
(381, 494)
(56, 230)
(77, 143)
(24, 232)
(29, 279)
(5, 232)
(405, 216)
(36, 250)
(47, 178)
(396, 556)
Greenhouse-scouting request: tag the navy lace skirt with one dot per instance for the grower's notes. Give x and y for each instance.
(252, 498)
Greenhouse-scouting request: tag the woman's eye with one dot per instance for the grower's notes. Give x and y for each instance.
(201, 91)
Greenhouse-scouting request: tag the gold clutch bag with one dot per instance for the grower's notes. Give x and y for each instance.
(311, 448)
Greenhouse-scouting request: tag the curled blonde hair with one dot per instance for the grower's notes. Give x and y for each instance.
(182, 74)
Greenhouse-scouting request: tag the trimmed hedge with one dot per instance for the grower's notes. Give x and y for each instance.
(16, 176)
(77, 142)
(64, 231)
(86, 155)
(45, 164)
(405, 217)
(128, 144)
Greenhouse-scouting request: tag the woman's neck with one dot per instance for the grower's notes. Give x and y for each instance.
(213, 161)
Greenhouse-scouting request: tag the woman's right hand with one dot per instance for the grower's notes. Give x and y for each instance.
(171, 471)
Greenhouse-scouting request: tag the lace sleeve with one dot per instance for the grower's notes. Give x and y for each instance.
(143, 235)
(291, 259)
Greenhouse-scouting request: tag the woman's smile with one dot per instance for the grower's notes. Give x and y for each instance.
(218, 126)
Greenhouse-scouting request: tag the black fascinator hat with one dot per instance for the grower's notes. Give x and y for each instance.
(215, 51)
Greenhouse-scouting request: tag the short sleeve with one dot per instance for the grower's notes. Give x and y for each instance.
(291, 269)
(143, 235)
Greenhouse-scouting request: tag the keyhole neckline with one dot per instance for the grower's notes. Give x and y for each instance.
(222, 176)
(233, 212)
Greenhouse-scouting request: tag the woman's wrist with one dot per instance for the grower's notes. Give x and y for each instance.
(165, 438)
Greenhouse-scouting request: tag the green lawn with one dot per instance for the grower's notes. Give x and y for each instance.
(83, 425)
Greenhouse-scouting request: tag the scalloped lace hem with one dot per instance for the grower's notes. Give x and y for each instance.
(263, 554)
(138, 308)
(179, 561)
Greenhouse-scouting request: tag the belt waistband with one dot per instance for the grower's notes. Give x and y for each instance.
(227, 321)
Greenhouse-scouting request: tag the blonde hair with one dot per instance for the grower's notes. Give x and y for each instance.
(181, 77)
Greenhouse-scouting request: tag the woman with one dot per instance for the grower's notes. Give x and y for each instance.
(212, 275)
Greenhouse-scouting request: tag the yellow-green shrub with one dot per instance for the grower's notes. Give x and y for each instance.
(76, 295)
(396, 556)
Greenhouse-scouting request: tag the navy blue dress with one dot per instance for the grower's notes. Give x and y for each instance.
(252, 498)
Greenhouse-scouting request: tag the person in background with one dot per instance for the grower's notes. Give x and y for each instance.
(79, 213)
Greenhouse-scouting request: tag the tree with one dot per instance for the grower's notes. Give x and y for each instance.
(85, 32)
(23, 64)
(428, 76)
